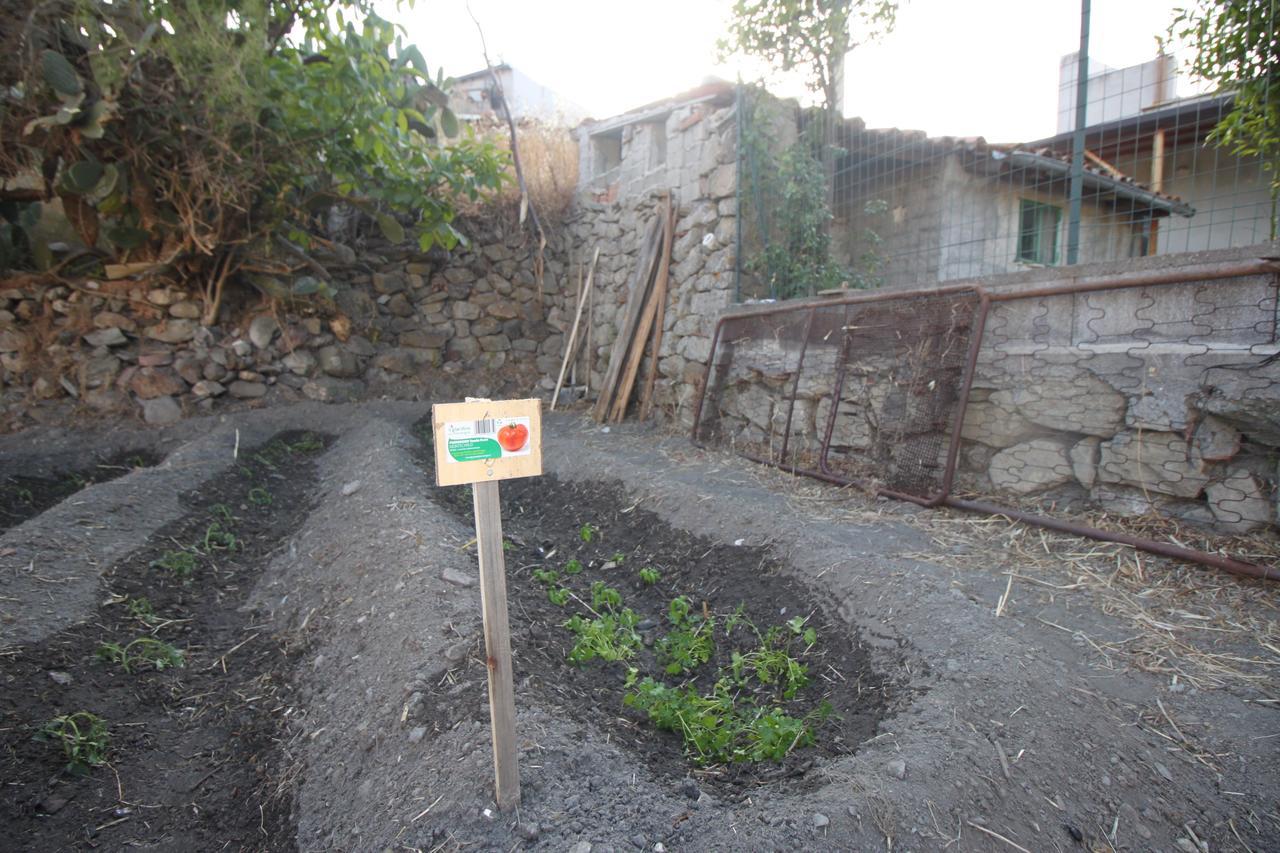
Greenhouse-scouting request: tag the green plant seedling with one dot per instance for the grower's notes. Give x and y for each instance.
(573, 567)
(82, 736)
(558, 596)
(259, 496)
(649, 576)
(181, 564)
(588, 532)
(685, 649)
(140, 609)
(25, 496)
(222, 512)
(217, 539)
(618, 557)
(142, 650)
(546, 577)
(808, 634)
(678, 610)
(609, 637)
(605, 597)
(308, 443)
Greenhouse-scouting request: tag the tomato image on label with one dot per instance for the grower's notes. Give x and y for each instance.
(513, 437)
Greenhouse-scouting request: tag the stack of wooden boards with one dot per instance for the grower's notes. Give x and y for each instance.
(643, 320)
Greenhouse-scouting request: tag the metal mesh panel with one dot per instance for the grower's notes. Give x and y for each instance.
(900, 388)
(866, 390)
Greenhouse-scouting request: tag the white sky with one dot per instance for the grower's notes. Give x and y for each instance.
(957, 67)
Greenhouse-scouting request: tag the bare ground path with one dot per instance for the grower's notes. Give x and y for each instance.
(1038, 693)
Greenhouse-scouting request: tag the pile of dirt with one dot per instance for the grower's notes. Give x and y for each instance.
(23, 496)
(193, 749)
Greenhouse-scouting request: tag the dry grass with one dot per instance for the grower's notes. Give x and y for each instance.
(1192, 625)
(549, 157)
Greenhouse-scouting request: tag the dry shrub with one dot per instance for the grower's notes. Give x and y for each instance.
(549, 158)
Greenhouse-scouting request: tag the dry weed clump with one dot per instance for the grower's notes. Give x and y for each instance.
(549, 158)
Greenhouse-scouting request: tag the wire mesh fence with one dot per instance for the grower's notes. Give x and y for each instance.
(829, 203)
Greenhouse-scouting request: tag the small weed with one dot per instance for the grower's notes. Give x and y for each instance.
(83, 737)
(136, 461)
(721, 727)
(573, 567)
(308, 443)
(609, 637)
(649, 576)
(558, 596)
(25, 496)
(588, 532)
(772, 665)
(687, 648)
(74, 481)
(142, 650)
(605, 597)
(218, 539)
(140, 609)
(546, 577)
(618, 557)
(222, 512)
(181, 564)
(678, 610)
(259, 496)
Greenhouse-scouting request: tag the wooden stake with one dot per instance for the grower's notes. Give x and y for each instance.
(660, 290)
(571, 350)
(637, 296)
(645, 320)
(497, 643)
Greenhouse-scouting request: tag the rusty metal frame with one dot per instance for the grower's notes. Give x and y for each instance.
(1184, 275)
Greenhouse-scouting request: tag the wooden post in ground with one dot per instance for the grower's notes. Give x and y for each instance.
(497, 643)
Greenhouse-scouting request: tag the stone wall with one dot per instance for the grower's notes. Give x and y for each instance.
(402, 322)
(1152, 399)
(699, 169)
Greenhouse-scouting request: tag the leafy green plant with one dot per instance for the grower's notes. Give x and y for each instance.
(308, 443)
(82, 736)
(772, 665)
(588, 532)
(649, 576)
(720, 727)
(218, 539)
(687, 647)
(605, 597)
(678, 610)
(798, 627)
(609, 637)
(181, 564)
(142, 650)
(259, 496)
(558, 596)
(618, 557)
(140, 608)
(222, 512)
(573, 567)
(546, 577)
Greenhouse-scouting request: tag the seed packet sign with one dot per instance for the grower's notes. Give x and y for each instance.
(487, 440)
(481, 442)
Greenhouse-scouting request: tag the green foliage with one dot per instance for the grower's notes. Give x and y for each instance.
(605, 597)
(140, 608)
(308, 443)
(216, 538)
(142, 650)
(216, 133)
(546, 577)
(618, 557)
(573, 567)
(609, 637)
(588, 532)
(181, 564)
(1236, 47)
(772, 664)
(259, 496)
(687, 647)
(649, 576)
(808, 36)
(558, 596)
(678, 610)
(721, 727)
(82, 736)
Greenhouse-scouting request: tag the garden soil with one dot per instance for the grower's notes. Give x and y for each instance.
(333, 696)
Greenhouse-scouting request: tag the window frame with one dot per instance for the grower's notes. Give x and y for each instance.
(1039, 210)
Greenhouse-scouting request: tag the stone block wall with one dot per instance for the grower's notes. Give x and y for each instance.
(404, 322)
(699, 172)
(1144, 400)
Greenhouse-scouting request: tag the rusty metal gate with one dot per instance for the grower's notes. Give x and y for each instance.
(865, 389)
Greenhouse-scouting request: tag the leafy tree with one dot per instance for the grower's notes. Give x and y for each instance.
(209, 136)
(810, 36)
(1237, 48)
